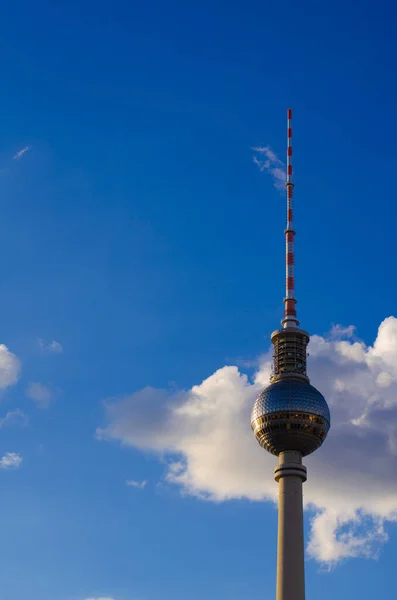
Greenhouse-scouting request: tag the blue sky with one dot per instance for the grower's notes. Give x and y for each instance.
(143, 247)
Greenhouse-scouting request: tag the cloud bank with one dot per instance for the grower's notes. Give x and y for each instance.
(210, 452)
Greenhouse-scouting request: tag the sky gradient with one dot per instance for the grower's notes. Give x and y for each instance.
(143, 255)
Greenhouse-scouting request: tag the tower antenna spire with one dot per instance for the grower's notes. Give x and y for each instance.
(290, 319)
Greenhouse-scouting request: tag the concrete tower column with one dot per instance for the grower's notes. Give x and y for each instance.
(290, 475)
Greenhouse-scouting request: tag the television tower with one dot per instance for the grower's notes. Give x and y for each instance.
(290, 419)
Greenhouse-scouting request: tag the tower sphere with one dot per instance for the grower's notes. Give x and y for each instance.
(290, 414)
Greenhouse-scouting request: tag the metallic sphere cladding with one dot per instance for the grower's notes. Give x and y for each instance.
(290, 414)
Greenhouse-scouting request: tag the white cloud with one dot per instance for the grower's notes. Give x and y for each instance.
(40, 393)
(52, 347)
(211, 453)
(10, 460)
(339, 332)
(10, 367)
(136, 484)
(330, 542)
(14, 417)
(268, 161)
(21, 152)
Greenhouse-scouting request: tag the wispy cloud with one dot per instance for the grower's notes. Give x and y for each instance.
(10, 367)
(102, 598)
(21, 152)
(137, 484)
(41, 394)
(50, 347)
(14, 417)
(268, 161)
(10, 460)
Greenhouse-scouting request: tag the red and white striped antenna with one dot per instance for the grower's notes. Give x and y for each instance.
(290, 319)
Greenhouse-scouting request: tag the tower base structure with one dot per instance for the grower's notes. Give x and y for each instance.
(290, 475)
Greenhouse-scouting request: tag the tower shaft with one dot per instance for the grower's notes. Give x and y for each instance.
(290, 475)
